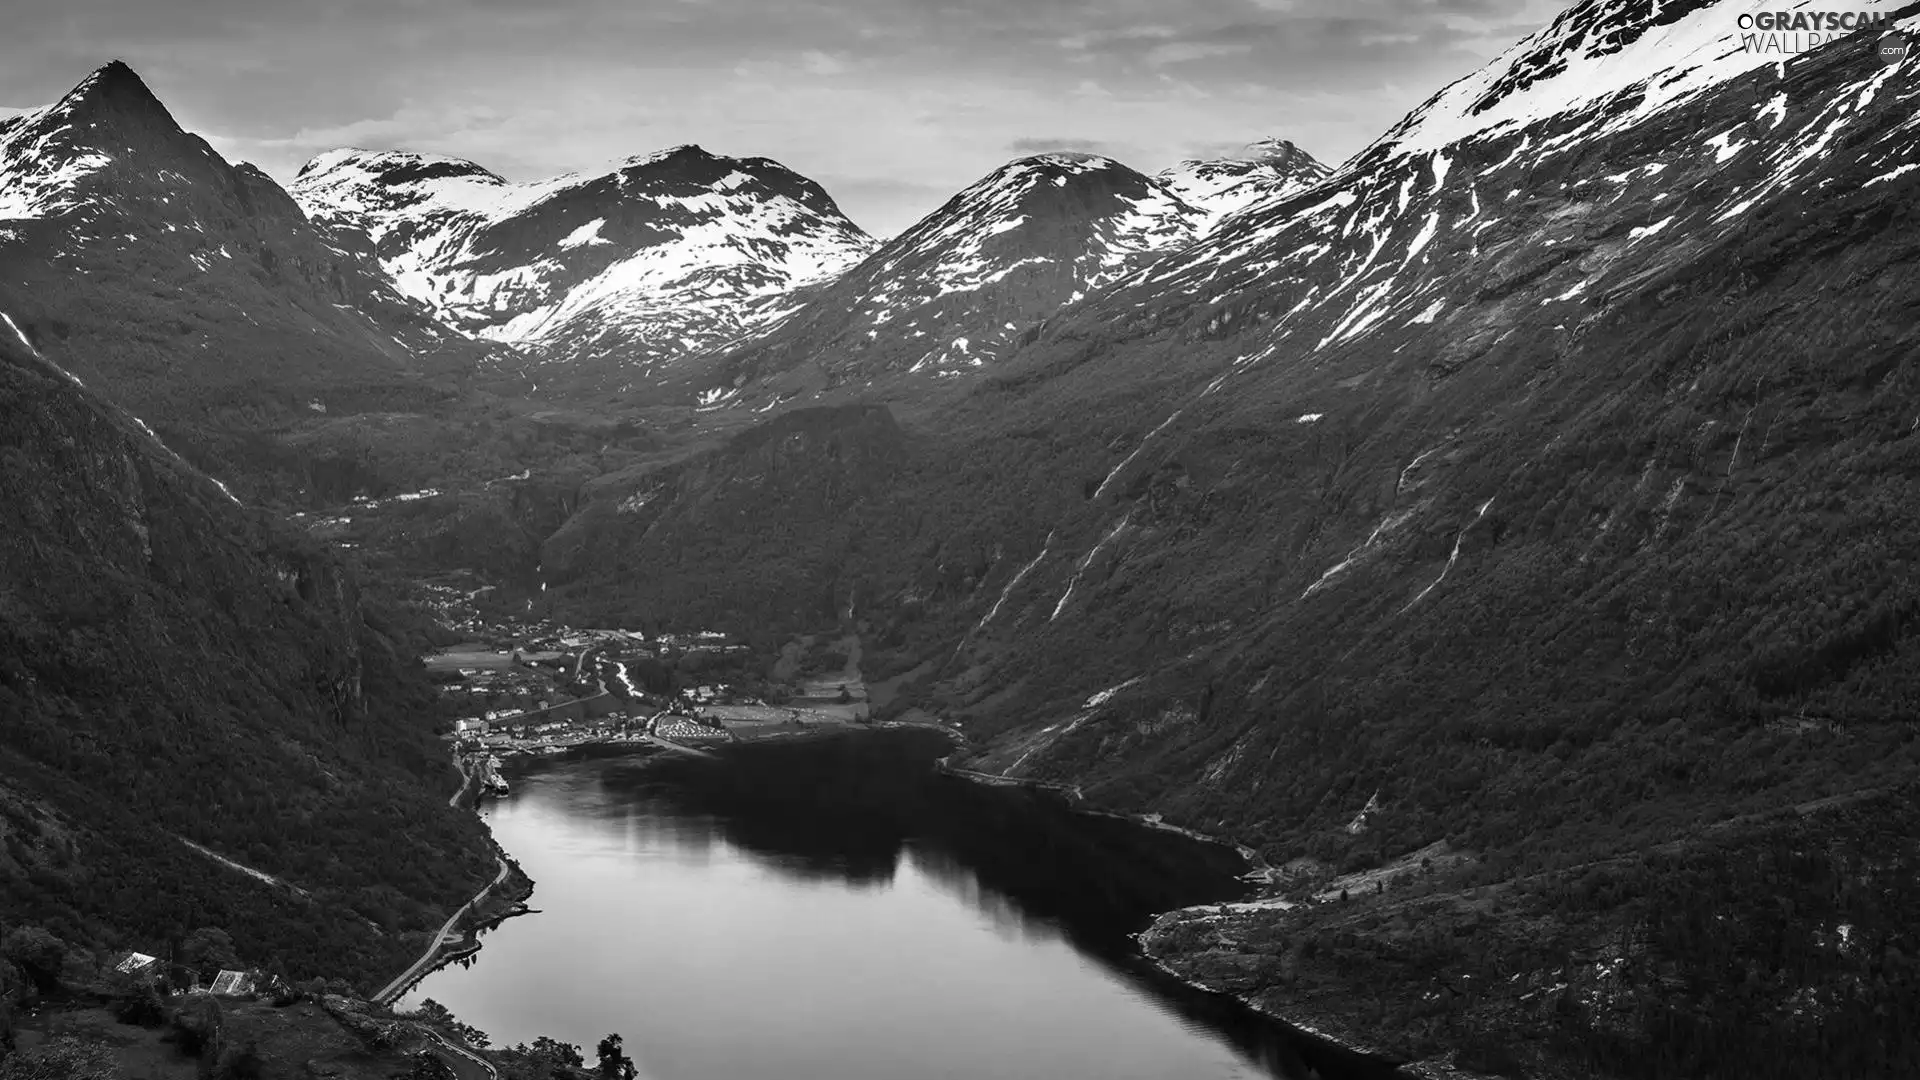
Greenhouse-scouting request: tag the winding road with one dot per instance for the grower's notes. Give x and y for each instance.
(467, 1064)
(446, 936)
(466, 780)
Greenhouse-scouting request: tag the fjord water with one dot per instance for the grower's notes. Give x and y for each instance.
(834, 908)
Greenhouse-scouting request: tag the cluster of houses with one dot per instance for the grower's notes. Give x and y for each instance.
(480, 733)
(498, 681)
(706, 641)
(680, 727)
(227, 983)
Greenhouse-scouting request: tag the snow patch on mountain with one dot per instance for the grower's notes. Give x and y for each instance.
(1265, 170)
(41, 168)
(1621, 61)
(669, 254)
(968, 283)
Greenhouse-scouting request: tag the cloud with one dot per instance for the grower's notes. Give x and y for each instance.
(1107, 39)
(1213, 151)
(1065, 144)
(1181, 52)
(816, 62)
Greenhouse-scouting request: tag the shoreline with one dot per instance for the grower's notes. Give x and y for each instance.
(459, 937)
(1351, 1053)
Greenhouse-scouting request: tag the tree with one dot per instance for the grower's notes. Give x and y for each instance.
(38, 952)
(553, 1053)
(615, 1065)
(199, 1027)
(136, 1001)
(209, 947)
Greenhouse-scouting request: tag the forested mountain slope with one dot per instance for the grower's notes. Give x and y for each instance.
(174, 669)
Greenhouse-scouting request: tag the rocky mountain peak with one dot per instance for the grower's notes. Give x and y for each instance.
(965, 285)
(1265, 169)
(107, 138)
(1284, 154)
(114, 93)
(659, 257)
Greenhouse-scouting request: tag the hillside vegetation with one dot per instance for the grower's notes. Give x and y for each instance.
(175, 668)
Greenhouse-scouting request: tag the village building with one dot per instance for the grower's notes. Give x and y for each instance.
(233, 984)
(137, 963)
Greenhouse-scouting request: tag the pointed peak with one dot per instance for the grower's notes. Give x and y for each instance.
(114, 90)
(114, 74)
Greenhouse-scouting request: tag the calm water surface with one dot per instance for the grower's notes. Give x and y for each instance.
(836, 911)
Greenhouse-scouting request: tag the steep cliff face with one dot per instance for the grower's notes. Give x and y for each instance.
(175, 668)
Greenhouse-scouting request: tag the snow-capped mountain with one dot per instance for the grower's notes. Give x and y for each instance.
(968, 282)
(191, 291)
(1500, 168)
(1613, 64)
(1266, 169)
(664, 256)
(1604, 325)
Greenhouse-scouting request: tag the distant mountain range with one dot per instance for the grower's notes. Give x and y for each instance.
(636, 278)
(665, 256)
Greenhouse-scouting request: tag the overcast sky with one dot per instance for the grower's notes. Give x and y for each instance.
(893, 105)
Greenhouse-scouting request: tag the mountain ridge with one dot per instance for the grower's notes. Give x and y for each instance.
(1026, 241)
(667, 254)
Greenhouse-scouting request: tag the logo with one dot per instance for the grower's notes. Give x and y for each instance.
(1895, 46)
(1787, 33)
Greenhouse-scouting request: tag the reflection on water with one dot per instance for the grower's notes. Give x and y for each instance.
(833, 909)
